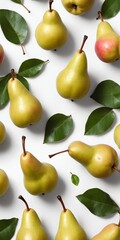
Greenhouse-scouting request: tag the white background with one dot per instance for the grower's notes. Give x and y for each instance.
(43, 87)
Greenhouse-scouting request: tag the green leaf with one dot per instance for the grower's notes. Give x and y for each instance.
(7, 228)
(98, 202)
(75, 179)
(58, 127)
(110, 8)
(4, 98)
(31, 67)
(21, 2)
(23, 80)
(107, 93)
(14, 26)
(99, 121)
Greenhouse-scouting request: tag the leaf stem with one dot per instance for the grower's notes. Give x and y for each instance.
(23, 145)
(22, 49)
(25, 7)
(52, 155)
(22, 198)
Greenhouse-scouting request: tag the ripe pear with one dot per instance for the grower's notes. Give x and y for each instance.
(117, 135)
(1, 54)
(107, 45)
(31, 227)
(25, 109)
(109, 232)
(4, 182)
(2, 132)
(73, 81)
(69, 228)
(51, 32)
(101, 160)
(77, 7)
(39, 177)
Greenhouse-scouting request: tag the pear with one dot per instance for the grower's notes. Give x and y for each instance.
(107, 45)
(77, 7)
(73, 81)
(4, 182)
(109, 232)
(51, 32)
(101, 160)
(1, 54)
(117, 135)
(2, 132)
(69, 228)
(31, 227)
(39, 177)
(25, 109)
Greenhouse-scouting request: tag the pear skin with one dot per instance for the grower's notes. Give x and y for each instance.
(69, 228)
(31, 226)
(117, 135)
(73, 81)
(2, 132)
(51, 32)
(109, 232)
(39, 177)
(107, 45)
(4, 182)
(25, 109)
(78, 7)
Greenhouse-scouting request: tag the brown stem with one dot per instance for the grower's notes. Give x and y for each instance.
(50, 5)
(61, 201)
(116, 169)
(12, 74)
(99, 16)
(84, 40)
(22, 198)
(52, 155)
(22, 49)
(23, 145)
(47, 61)
(25, 8)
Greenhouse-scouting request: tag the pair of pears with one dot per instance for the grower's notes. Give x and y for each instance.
(25, 109)
(107, 45)
(101, 160)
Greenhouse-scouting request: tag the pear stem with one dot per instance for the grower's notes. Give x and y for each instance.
(84, 40)
(23, 145)
(100, 16)
(25, 8)
(52, 155)
(116, 169)
(50, 5)
(22, 198)
(12, 74)
(61, 201)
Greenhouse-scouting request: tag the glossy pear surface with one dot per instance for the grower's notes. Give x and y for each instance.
(77, 7)
(117, 135)
(2, 132)
(31, 227)
(69, 228)
(99, 159)
(38, 177)
(51, 33)
(4, 182)
(73, 81)
(25, 109)
(110, 232)
(107, 46)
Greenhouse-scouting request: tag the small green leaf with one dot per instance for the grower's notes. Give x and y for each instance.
(58, 127)
(31, 67)
(107, 93)
(110, 8)
(98, 202)
(14, 26)
(99, 121)
(4, 98)
(75, 179)
(7, 228)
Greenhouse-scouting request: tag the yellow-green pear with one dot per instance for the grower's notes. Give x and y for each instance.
(39, 177)
(31, 227)
(107, 45)
(78, 7)
(101, 160)
(4, 182)
(73, 81)
(51, 32)
(69, 228)
(109, 232)
(2, 132)
(117, 135)
(25, 109)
